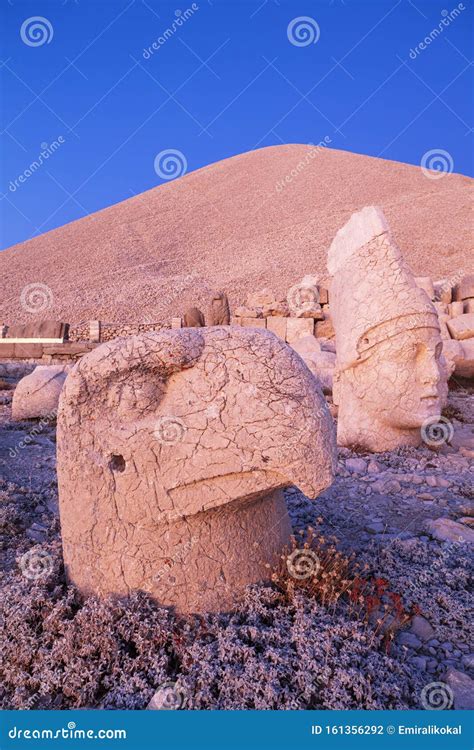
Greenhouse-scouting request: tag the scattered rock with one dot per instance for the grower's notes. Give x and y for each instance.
(447, 530)
(422, 628)
(357, 465)
(463, 689)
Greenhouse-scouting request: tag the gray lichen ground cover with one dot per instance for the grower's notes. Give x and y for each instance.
(59, 651)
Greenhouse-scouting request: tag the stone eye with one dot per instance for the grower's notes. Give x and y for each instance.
(117, 462)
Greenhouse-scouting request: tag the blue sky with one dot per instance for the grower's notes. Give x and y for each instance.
(226, 78)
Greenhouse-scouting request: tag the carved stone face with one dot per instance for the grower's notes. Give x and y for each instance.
(386, 398)
(405, 379)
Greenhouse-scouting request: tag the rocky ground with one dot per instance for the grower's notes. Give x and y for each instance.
(282, 647)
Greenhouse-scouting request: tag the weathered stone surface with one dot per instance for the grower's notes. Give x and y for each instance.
(7, 351)
(463, 688)
(94, 331)
(426, 283)
(173, 448)
(219, 311)
(193, 318)
(324, 328)
(465, 288)
(296, 328)
(456, 309)
(461, 327)
(321, 363)
(323, 295)
(279, 309)
(254, 322)
(447, 530)
(37, 394)
(469, 305)
(260, 299)
(443, 290)
(277, 326)
(247, 312)
(453, 354)
(176, 323)
(314, 312)
(45, 329)
(465, 365)
(390, 374)
(422, 628)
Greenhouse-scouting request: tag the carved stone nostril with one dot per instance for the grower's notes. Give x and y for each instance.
(117, 463)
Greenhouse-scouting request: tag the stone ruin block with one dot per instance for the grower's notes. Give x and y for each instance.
(324, 328)
(465, 288)
(254, 322)
(461, 327)
(323, 296)
(465, 364)
(443, 291)
(277, 326)
(95, 330)
(456, 308)
(45, 329)
(176, 323)
(296, 328)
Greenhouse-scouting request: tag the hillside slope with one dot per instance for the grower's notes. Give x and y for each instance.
(240, 224)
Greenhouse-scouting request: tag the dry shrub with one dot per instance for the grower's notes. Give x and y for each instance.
(313, 564)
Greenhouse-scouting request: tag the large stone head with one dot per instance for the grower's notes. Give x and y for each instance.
(390, 373)
(173, 448)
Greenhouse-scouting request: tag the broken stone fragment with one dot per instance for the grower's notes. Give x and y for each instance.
(465, 364)
(193, 318)
(463, 688)
(37, 394)
(443, 290)
(219, 311)
(446, 530)
(277, 309)
(247, 312)
(465, 288)
(260, 299)
(461, 327)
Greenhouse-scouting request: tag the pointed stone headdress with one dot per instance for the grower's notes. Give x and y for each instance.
(373, 292)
